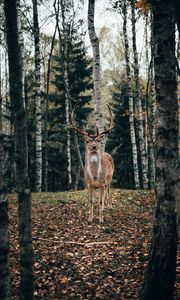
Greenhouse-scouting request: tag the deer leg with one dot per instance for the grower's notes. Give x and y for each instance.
(101, 203)
(91, 198)
(109, 196)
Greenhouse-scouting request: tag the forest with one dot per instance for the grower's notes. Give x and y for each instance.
(89, 149)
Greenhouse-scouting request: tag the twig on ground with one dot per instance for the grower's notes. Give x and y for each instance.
(75, 243)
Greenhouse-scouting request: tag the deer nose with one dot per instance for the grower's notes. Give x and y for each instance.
(94, 147)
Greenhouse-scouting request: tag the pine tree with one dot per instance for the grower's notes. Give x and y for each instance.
(79, 82)
(119, 141)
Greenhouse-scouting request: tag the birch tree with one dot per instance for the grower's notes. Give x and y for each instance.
(21, 151)
(47, 110)
(64, 48)
(143, 154)
(131, 109)
(38, 133)
(4, 240)
(160, 275)
(96, 66)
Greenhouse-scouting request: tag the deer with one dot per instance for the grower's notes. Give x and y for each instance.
(98, 167)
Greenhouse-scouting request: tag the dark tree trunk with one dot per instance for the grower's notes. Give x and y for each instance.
(21, 157)
(5, 291)
(160, 275)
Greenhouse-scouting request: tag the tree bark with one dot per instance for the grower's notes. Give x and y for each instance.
(46, 112)
(21, 153)
(5, 282)
(96, 67)
(64, 48)
(160, 274)
(38, 134)
(143, 154)
(131, 109)
(152, 115)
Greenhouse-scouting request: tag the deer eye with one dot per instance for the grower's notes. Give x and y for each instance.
(98, 140)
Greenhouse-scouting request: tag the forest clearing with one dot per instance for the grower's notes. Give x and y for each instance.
(78, 260)
(89, 99)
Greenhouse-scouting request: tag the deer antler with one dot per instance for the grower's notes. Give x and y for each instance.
(112, 124)
(73, 121)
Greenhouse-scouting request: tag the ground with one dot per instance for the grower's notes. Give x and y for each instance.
(77, 260)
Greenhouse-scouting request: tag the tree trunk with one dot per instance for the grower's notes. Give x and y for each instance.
(96, 66)
(143, 154)
(5, 282)
(152, 115)
(21, 157)
(46, 113)
(38, 134)
(178, 84)
(131, 109)
(160, 275)
(21, 44)
(64, 48)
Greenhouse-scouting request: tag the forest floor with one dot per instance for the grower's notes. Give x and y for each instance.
(77, 260)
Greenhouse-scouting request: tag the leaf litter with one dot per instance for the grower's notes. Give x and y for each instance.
(77, 260)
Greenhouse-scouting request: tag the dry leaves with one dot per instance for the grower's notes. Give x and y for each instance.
(77, 260)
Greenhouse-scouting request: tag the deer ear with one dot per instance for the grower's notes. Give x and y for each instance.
(87, 138)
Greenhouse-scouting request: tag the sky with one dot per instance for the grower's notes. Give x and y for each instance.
(103, 17)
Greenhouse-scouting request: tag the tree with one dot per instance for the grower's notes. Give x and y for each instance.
(138, 103)
(131, 105)
(96, 66)
(63, 44)
(37, 100)
(152, 116)
(160, 274)
(119, 141)
(79, 82)
(21, 158)
(4, 240)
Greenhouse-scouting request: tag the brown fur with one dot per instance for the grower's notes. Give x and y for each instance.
(98, 170)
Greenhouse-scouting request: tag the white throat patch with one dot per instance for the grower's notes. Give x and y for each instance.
(93, 158)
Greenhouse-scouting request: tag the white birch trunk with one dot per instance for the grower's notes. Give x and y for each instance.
(96, 66)
(38, 134)
(143, 155)
(67, 96)
(131, 109)
(21, 44)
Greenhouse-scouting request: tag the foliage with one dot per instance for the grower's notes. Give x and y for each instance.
(79, 80)
(119, 143)
(144, 6)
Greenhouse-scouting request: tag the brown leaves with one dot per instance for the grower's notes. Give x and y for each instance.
(143, 5)
(77, 260)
